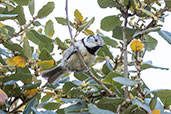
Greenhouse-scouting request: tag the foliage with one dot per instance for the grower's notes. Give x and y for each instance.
(21, 62)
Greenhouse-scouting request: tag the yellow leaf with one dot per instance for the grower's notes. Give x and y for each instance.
(46, 64)
(22, 108)
(17, 60)
(50, 93)
(78, 16)
(88, 32)
(3, 97)
(155, 112)
(40, 30)
(1, 24)
(31, 92)
(136, 45)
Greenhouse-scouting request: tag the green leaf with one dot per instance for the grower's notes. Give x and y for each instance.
(13, 47)
(109, 103)
(31, 86)
(104, 51)
(154, 29)
(71, 100)
(31, 103)
(109, 41)
(2, 61)
(125, 81)
(48, 46)
(51, 106)
(67, 86)
(46, 10)
(10, 29)
(21, 16)
(142, 105)
(37, 23)
(150, 43)
(149, 65)
(7, 16)
(105, 69)
(168, 3)
(22, 2)
(106, 3)
(49, 29)
(129, 109)
(86, 25)
(166, 35)
(109, 77)
(153, 102)
(31, 7)
(148, 13)
(62, 21)
(27, 49)
(95, 110)
(61, 45)
(32, 37)
(165, 97)
(45, 55)
(117, 32)
(22, 74)
(3, 52)
(81, 76)
(46, 98)
(110, 22)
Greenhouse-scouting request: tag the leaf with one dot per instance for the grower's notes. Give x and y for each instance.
(46, 98)
(168, 3)
(27, 49)
(109, 77)
(67, 86)
(109, 103)
(10, 29)
(109, 41)
(22, 74)
(46, 64)
(31, 92)
(86, 25)
(104, 51)
(153, 102)
(46, 10)
(150, 43)
(78, 16)
(125, 81)
(31, 86)
(51, 106)
(95, 110)
(31, 7)
(153, 29)
(3, 97)
(2, 61)
(142, 105)
(3, 52)
(81, 76)
(30, 104)
(148, 13)
(22, 2)
(13, 47)
(21, 16)
(7, 16)
(49, 29)
(110, 22)
(117, 32)
(17, 61)
(106, 3)
(88, 32)
(61, 45)
(136, 45)
(48, 46)
(62, 21)
(45, 55)
(149, 65)
(165, 97)
(32, 37)
(166, 35)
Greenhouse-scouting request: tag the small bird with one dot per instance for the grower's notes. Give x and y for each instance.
(70, 62)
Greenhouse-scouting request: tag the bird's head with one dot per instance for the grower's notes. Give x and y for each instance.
(93, 43)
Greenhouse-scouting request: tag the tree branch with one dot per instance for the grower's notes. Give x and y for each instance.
(109, 92)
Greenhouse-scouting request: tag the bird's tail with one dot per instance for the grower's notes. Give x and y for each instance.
(54, 74)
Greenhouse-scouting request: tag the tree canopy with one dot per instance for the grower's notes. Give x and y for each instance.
(109, 88)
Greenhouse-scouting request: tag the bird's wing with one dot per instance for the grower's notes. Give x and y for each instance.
(67, 53)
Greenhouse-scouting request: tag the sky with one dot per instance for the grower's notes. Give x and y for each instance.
(154, 78)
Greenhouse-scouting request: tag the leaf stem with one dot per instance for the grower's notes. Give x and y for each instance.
(109, 92)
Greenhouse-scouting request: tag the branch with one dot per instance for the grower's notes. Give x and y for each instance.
(109, 92)
(21, 30)
(24, 102)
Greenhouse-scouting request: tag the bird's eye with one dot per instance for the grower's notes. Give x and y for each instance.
(96, 40)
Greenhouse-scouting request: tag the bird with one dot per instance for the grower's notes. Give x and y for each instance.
(88, 47)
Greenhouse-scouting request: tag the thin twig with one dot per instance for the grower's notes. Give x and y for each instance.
(109, 92)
